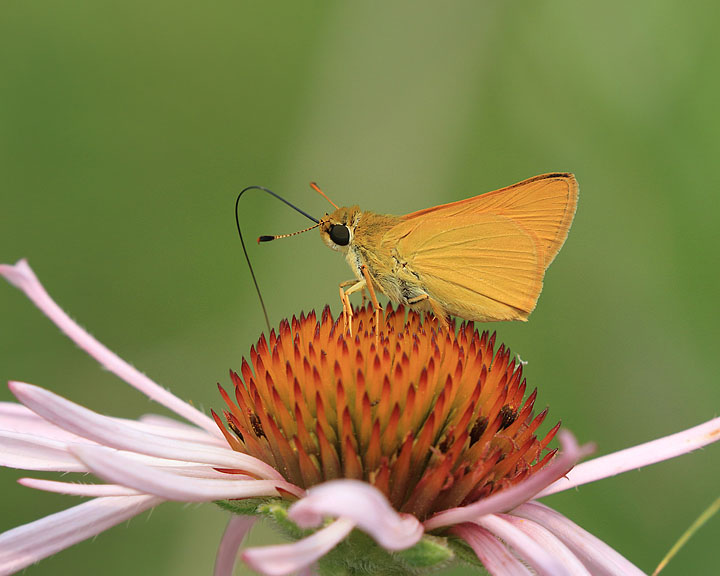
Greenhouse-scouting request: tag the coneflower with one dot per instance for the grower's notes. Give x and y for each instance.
(422, 439)
(433, 419)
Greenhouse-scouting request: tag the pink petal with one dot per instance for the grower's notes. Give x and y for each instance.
(15, 417)
(26, 452)
(22, 276)
(537, 557)
(600, 558)
(550, 543)
(163, 426)
(638, 456)
(116, 434)
(118, 469)
(189, 470)
(362, 503)
(235, 533)
(25, 545)
(515, 495)
(494, 555)
(193, 435)
(74, 489)
(287, 558)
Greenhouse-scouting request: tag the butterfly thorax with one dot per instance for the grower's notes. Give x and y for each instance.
(363, 245)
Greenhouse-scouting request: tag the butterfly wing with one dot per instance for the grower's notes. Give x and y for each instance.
(484, 258)
(545, 205)
(482, 268)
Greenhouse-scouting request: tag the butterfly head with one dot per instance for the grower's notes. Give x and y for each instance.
(338, 229)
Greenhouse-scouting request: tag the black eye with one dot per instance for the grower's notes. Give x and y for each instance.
(340, 234)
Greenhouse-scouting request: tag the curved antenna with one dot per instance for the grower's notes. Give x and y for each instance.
(247, 258)
(278, 236)
(315, 187)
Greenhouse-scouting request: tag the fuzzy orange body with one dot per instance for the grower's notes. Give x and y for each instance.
(483, 258)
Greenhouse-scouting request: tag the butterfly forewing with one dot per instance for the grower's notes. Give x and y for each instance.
(484, 258)
(545, 205)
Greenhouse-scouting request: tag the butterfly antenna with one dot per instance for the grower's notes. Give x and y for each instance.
(242, 242)
(315, 187)
(278, 236)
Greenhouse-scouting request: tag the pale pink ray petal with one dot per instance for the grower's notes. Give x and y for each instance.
(113, 467)
(365, 505)
(15, 417)
(176, 466)
(537, 557)
(26, 452)
(288, 558)
(638, 456)
(164, 426)
(550, 542)
(192, 436)
(18, 418)
(495, 556)
(76, 489)
(194, 471)
(600, 559)
(519, 493)
(160, 420)
(25, 545)
(111, 432)
(232, 539)
(22, 276)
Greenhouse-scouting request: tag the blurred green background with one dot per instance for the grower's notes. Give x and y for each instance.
(127, 129)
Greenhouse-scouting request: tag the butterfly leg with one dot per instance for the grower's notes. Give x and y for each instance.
(345, 305)
(440, 314)
(354, 286)
(373, 297)
(438, 310)
(418, 299)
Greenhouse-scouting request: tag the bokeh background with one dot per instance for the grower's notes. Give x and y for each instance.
(128, 128)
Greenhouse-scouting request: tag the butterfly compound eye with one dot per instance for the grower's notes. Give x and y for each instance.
(340, 234)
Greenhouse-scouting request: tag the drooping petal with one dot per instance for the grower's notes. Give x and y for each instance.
(185, 469)
(164, 426)
(495, 556)
(191, 434)
(75, 489)
(638, 456)
(232, 539)
(365, 505)
(515, 495)
(550, 542)
(537, 557)
(118, 469)
(114, 433)
(599, 558)
(22, 276)
(15, 417)
(27, 452)
(25, 545)
(288, 558)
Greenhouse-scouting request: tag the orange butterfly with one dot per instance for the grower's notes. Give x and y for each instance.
(483, 258)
